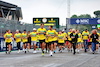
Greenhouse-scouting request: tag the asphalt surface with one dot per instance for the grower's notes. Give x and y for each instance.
(64, 59)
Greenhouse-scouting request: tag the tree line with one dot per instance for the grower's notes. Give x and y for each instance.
(96, 13)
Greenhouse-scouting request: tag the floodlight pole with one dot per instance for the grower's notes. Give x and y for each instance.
(68, 15)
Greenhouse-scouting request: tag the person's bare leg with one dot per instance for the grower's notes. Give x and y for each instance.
(43, 45)
(28, 46)
(34, 46)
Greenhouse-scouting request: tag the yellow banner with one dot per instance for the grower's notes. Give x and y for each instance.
(52, 21)
(37, 21)
(46, 24)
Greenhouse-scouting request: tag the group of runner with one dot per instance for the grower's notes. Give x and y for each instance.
(50, 39)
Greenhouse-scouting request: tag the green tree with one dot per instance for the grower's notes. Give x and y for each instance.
(97, 13)
(84, 16)
(74, 16)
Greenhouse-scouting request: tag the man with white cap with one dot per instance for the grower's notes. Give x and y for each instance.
(34, 39)
(17, 36)
(74, 37)
(65, 37)
(24, 39)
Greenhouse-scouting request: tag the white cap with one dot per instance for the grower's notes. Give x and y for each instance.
(17, 30)
(73, 30)
(63, 30)
(34, 28)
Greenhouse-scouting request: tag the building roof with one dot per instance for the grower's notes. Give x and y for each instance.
(6, 5)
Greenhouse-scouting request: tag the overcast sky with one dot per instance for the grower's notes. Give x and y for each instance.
(55, 8)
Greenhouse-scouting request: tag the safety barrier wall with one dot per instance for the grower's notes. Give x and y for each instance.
(13, 43)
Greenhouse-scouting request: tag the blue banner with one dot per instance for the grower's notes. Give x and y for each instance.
(85, 21)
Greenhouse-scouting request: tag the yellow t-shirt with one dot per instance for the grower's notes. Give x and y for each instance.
(52, 33)
(55, 38)
(81, 41)
(33, 36)
(18, 37)
(37, 38)
(69, 36)
(24, 35)
(8, 36)
(46, 39)
(85, 35)
(41, 35)
(65, 34)
(79, 37)
(60, 38)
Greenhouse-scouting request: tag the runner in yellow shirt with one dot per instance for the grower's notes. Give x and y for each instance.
(90, 43)
(65, 34)
(61, 40)
(29, 41)
(34, 39)
(55, 41)
(42, 31)
(47, 43)
(79, 41)
(17, 36)
(38, 43)
(70, 41)
(5, 41)
(7, 37)
(85, 36)
(24, 39)
(51, 34)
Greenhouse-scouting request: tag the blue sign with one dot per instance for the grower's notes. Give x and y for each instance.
(85, 21)
(93, 27)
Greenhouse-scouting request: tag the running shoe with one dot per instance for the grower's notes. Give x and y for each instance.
(6, 52)
(51, 53)
(34, 52)
(42, 53)
(9, 52)
(93, 52)
(60, 51)
(54, 51)
(25, 52)
(38, 48)
(85, 50)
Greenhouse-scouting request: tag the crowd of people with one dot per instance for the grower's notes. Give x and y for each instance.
(73, 41)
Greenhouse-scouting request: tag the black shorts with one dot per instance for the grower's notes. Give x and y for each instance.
(89, 43)
(54, 42)
(70, 41)
(61, 44)
(51, 43)
(47, 44)
(41, 41)
(7, 43)
(29, 40)
(97, 42)
(24, 42)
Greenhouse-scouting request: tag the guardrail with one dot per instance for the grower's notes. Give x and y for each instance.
(13, 43)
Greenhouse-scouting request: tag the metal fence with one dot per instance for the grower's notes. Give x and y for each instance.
(13, 25)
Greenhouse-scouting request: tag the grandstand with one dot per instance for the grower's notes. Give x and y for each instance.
(10, 16)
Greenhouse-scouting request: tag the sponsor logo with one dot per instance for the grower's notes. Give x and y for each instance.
(77, 21)
(44, 20)
(82, 21)
(98, 21)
